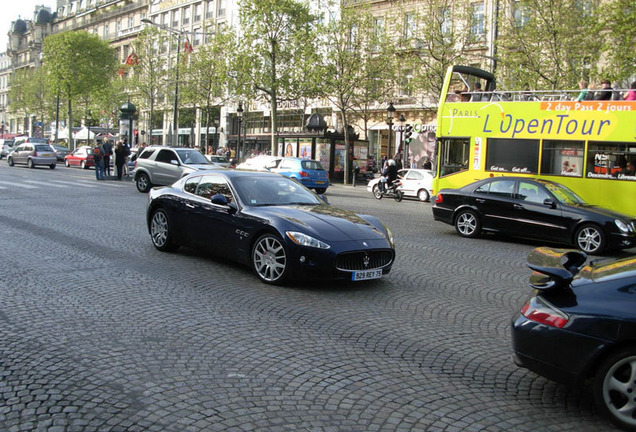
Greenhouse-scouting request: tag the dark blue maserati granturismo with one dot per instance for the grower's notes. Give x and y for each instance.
(271, 223)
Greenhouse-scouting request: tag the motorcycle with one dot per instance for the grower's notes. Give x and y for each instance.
(384, 190)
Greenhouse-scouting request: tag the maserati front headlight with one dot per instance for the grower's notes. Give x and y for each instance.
(305, 240)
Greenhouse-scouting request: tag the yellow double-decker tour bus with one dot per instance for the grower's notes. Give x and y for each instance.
(588, 145)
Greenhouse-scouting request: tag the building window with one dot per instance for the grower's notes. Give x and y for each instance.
(198, 12)
(477, 27)
(209, 9)
(175, 18)
(521, 14)
(186, 16)
(379, 26)
(105, 34)
(131, 22)
(409, 25)
(445, 20)
(221, 8)
(405, 83)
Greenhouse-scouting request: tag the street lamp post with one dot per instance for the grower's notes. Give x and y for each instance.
(239, 114)
(402, 120)
(390, 114)
(88, 127)
(175, 107)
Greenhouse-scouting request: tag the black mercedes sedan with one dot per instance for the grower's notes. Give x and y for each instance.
(579, 327)
(271, 223)
(535, 209)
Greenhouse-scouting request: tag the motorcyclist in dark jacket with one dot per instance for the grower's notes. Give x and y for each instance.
(390, 174)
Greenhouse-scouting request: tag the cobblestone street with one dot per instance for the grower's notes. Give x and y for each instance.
(101, 332)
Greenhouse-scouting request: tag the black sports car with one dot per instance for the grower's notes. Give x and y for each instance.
(274, 224)
(580, 325)
(536, 209)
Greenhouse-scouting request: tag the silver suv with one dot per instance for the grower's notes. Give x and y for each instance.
(160, 166)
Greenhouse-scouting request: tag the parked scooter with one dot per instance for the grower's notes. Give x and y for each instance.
(385, 190)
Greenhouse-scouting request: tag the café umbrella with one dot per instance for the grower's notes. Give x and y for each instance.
(83, 134)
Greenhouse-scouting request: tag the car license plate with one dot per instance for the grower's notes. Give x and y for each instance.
(320, 182)
(366, 275)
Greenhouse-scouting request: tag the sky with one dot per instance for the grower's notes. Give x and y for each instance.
(14, 9)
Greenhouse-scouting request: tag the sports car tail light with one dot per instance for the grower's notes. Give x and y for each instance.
(304, 174)
(543, 312)
(439, 199)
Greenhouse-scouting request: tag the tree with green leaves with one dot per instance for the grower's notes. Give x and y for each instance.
(375, 79)
(76, 64)
(618, 34)
(351, 68)
(440, 37)
(548, 44)
(206, 85)
(278, 38)
(148, 79)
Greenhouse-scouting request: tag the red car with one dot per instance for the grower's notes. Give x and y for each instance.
(81, 157)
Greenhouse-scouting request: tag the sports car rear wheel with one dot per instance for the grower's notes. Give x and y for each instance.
(161, 231)
(269, 259)
(590, 239)
(467, 224)
(615, 388)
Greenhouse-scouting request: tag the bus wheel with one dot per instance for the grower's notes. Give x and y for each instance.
(590, 239)
(467, 224)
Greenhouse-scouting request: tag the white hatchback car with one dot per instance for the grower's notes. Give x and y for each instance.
(260, 163)
(417, 183)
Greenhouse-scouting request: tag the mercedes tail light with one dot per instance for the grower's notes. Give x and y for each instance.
(439, 199)
(543, 312)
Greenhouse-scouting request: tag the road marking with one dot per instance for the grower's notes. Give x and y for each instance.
(22, 185)
(39, 183)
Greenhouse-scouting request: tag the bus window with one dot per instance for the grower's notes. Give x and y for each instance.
(517, 156)
(610, 160)
(454, 154)
(562, 158)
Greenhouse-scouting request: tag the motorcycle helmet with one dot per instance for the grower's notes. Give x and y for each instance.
(391, 162)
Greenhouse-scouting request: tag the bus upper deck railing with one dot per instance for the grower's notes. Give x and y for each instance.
(528, 95)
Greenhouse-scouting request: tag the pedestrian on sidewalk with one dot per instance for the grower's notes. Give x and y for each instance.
(108, 152)
(121, 153)
(98, 158)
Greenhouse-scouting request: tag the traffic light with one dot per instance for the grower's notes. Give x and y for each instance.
(408, 133)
